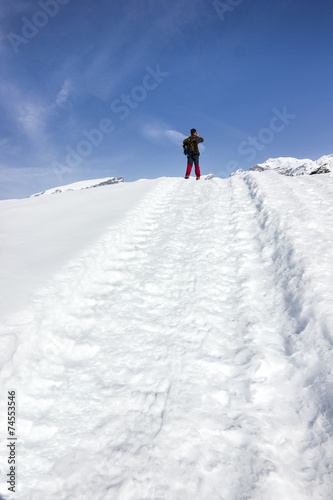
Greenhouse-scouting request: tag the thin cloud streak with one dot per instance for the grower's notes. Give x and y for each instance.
(64, 93)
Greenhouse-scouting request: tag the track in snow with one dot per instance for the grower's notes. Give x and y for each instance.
(164, 362)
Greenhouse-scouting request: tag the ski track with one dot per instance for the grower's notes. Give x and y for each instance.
(166, 362)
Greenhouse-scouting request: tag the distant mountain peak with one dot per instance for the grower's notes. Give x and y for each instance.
(293, 166)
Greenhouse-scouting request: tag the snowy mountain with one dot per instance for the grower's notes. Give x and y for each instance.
(169, 339)
(293, 166)
(82, 185)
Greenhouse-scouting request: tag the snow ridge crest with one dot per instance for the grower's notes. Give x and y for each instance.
(76, 186)
(293, 166)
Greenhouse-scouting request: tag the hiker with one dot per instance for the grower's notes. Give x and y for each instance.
(192, 152)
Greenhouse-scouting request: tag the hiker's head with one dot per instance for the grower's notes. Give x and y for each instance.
(193, 131)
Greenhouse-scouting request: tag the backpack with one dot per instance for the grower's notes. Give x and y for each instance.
(187, 151)
(190, 146)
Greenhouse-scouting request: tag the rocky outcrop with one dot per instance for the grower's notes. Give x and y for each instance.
(321, 170)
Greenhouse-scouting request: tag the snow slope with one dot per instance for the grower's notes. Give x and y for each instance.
(184, 350)
(38, 235)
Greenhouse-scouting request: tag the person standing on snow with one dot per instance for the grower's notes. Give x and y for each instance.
(192, 152)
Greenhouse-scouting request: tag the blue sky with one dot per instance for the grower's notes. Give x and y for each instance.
(91, 89)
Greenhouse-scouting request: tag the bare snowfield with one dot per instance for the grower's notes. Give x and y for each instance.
(170, 339)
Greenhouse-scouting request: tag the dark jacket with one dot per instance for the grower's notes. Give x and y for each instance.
(192, 143)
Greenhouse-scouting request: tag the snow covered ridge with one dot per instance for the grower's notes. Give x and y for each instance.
(161, 351)
(76, 186)
(293, 166)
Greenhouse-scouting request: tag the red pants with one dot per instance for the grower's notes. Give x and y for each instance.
(189, 168)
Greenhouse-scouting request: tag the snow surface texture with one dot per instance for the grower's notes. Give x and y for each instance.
(184, 351)
(293, 166)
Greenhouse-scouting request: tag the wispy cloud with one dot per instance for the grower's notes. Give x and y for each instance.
(29, 114)
(31, 117)
(174, 136)
(156, 133)
(64, 93)
(28, 146)
(159, 134)
(25, 112)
